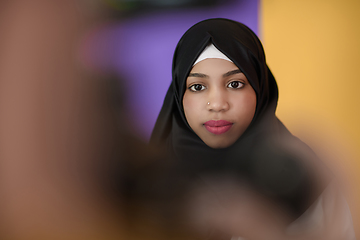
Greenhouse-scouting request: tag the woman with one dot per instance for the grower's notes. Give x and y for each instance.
(218, 119)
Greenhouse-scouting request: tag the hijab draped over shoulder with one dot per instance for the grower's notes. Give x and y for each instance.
(257, 155)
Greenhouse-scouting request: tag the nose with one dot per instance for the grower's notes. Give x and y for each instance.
(218, 101)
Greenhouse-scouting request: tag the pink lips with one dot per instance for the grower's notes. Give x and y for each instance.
(218, 127)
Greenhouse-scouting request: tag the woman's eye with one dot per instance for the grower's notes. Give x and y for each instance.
(235, 84)
(196, 87)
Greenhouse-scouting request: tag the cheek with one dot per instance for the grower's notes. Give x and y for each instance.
(246, 106)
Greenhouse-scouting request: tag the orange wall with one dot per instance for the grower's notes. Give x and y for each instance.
(313, 49)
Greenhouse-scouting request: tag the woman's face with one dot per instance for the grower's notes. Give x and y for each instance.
(219, 103)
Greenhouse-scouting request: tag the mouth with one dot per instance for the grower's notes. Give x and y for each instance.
(218, 127)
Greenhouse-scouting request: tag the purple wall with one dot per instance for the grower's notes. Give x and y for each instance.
(142, 49)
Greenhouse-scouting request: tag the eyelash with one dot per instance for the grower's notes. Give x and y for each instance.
(192, 87)
(241, 84)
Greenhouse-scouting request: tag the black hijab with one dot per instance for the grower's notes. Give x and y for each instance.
(243, 47)
(255, 148)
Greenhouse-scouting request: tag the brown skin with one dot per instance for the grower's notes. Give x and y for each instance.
(230, 97)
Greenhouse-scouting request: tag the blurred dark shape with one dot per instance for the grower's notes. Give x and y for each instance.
(137, 180)
(179, 197)
(140, 6)
(280, 174)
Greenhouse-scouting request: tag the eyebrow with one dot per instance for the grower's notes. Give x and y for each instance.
(201, 75)
(233, 72)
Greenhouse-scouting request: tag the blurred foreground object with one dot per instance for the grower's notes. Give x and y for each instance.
(55, 127)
